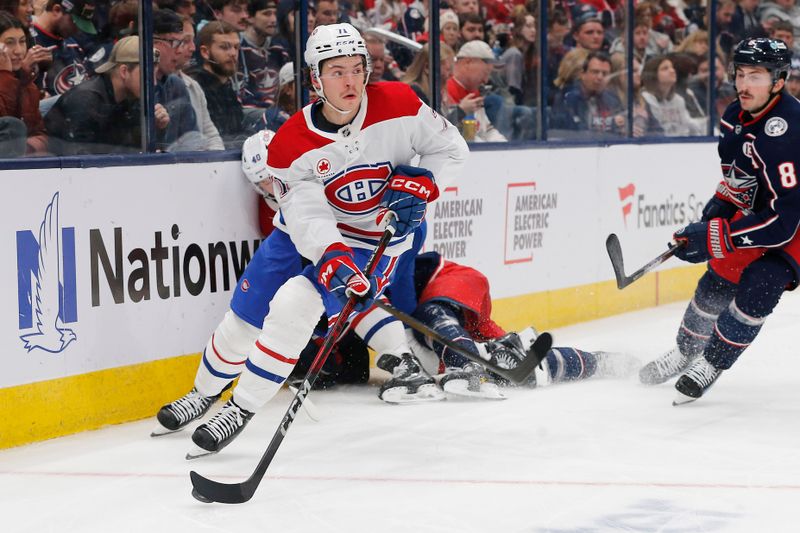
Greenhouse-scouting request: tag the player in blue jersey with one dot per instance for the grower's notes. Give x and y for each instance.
(748, 232)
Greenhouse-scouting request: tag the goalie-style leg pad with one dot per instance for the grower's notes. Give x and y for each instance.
(711, 297)
(762, 284)
(294, 311)
(225, 354)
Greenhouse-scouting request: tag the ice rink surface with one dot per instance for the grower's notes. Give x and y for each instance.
(592, 456)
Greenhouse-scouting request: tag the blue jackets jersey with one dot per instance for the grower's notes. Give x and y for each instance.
(760, 160)
(259, 67)
(68, 67)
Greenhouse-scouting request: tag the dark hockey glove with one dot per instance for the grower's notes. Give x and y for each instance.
(337, 272)
(702, 241)
(718, 208)
(408, 193)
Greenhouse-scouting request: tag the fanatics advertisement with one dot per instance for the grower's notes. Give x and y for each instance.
(116, 266)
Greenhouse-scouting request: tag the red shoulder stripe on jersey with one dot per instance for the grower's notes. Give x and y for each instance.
(293, 140)
(388, 100)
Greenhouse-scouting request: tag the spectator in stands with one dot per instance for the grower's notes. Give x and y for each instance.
(746, 19)
(286, 13)
(784, 31)
(21, 126)
(641, 39)
(660, 79)
(462, 7)
(644, 123)
(569, 70)
(588, 32)
(21, 9)
(286, 102)
(793, 82)
(472, 27)
(386, 13)
(181, 7)
(449, 28)
(696, 94)
(695, 44)
(101, 115)
(260, 59)
(775, 10)
(211, 138)
(219, 48)
(53, 30)
(169, 39)
(557, 31)
(520, 61)
(657, 43)
(377, 53)
(589, 106)
(234, 12)
(418, 74)
(327, 12)
(474, 63)
(725, 12)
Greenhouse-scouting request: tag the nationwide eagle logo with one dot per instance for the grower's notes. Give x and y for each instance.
(46, 277)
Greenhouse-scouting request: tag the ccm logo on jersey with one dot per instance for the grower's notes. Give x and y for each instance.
(413, 186)
(359, 189)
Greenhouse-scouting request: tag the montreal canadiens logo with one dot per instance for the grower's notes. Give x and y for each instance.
(359, 189)
(323, 167)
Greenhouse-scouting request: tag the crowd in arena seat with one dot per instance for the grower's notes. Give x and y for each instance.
(69, 84)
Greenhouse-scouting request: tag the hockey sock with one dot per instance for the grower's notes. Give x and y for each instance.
(760, 289)
(712, 295)
(447, 321)
(381, 331)
(294, 311)
(224, 356)
(569, 364)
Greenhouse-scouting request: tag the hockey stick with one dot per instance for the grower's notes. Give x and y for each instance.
(615, 254)
(517, 375)
(207, 490)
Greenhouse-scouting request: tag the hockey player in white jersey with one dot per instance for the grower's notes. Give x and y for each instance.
(337, 166)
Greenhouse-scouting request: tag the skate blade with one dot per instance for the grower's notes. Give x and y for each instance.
(424, 394)
(197, 452)
(460, 389)
(682, 399)
(160, 431)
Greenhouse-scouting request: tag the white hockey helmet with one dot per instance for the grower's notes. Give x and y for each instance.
(254, 163)
(334, 40)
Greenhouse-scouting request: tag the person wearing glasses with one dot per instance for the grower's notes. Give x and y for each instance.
(181, 133)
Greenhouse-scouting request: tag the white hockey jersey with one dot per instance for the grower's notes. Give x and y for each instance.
(329, 185)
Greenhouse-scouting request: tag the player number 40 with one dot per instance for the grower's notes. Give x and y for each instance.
(787, 174)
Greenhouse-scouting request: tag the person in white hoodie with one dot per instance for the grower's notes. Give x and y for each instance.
(669, 108)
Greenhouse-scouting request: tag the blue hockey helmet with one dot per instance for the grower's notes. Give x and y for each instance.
(772, 54)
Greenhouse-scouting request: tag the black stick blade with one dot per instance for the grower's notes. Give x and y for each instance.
(208, 491)
(536, 353)
(615, 254)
